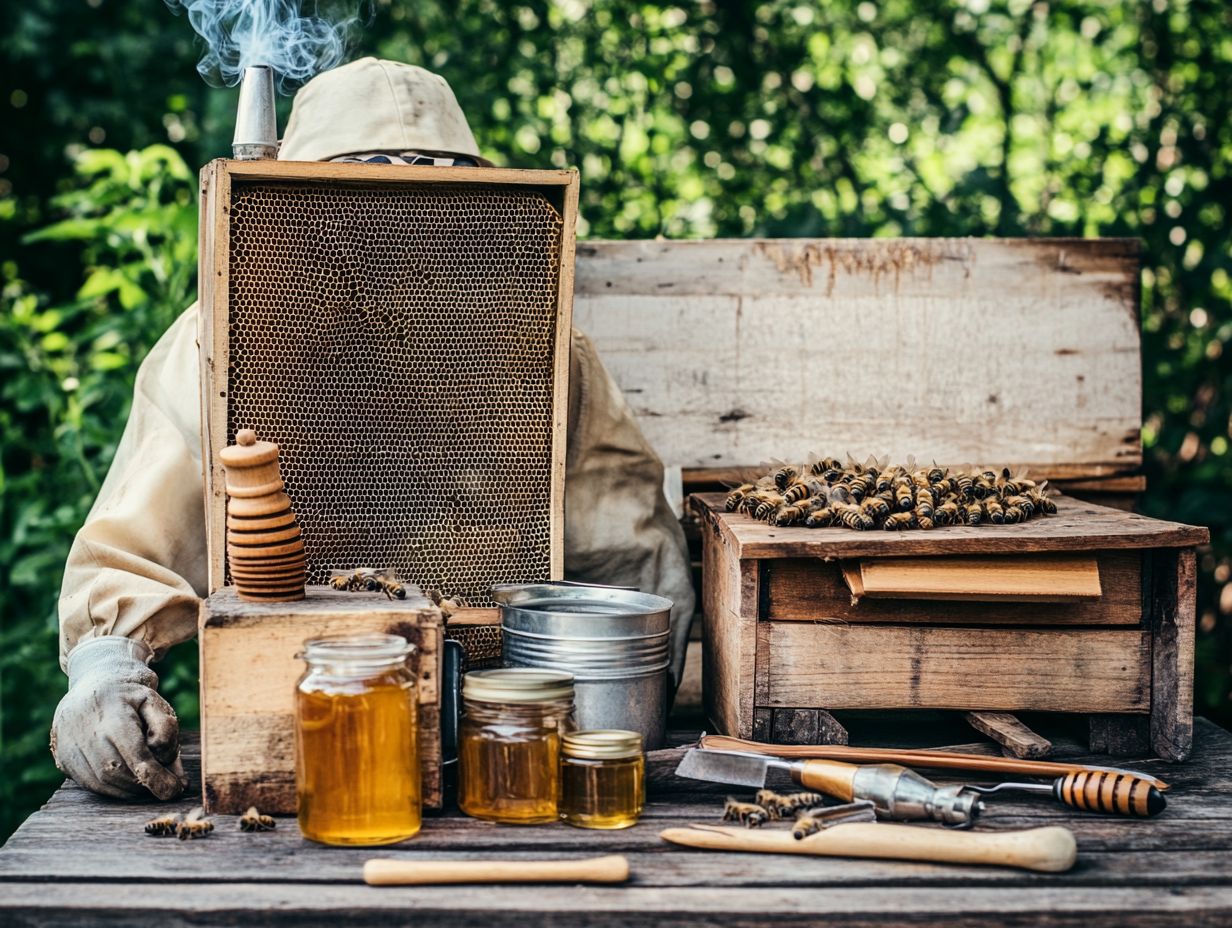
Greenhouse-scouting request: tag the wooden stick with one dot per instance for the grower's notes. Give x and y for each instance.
(1009, 732)
(386, 872)
(936, 760)
(1049, 850)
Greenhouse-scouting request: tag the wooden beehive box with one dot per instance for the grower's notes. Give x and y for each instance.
(249, 671)
(1005, 352)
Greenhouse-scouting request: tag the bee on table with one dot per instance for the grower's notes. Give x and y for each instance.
(789, 514)
(822, 517)
(736, 496)
(162, 827)
(904, 494)
(1021, 502)
(387, 582)
(748, 814)
(252, 820)
(801, 489)
(899, 521)
(780, 806)
(973, 514)
(946, 513)
(852, 517)
(828, 469)
(195, 825)
(875, 506)
(351, 580)
(784, 476)
(1039, 498)
(994, 510)
(966, 486)
(1008, 485)
(806, 825)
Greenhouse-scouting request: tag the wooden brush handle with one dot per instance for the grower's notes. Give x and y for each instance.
(1115, 793)
(1050, 849)
(384, 872)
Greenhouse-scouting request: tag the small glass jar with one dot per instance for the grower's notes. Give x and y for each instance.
(509, 743)
(602, 778)
(356, 751)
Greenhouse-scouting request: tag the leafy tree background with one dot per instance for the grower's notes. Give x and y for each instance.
(687, 119)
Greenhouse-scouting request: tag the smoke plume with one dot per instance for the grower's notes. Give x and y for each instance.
(242, 33)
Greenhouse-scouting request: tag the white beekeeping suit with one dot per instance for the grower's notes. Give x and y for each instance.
(137, 568)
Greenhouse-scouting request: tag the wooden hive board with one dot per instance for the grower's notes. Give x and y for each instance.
(731, 353)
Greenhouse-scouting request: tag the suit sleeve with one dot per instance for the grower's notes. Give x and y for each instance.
(619, 527)
(137, 567)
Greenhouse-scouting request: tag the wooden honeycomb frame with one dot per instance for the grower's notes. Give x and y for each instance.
(227, 186)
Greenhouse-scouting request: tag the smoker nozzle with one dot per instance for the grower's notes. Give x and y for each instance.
(256, 123)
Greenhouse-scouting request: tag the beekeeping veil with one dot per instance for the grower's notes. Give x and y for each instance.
(138, 565)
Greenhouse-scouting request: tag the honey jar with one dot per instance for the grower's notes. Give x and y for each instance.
(509, 743)
(602, 778)
(356, 752)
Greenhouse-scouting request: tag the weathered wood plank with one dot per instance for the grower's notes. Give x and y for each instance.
(1175, 602)
(353, 905)
(1078, 526)
(729, 609)
(811, 589)
(1009, 732)
(694, 334)
(872, 667)
(1119, 735)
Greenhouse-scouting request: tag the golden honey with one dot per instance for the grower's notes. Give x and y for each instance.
(509, 744)
(357, 759)
(603, 779)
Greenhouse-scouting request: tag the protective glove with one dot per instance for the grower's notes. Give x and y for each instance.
(112, 732)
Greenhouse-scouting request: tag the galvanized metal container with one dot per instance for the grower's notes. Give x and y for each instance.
(614, 642)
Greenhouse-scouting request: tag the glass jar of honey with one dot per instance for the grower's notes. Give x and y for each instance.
(356, 751)
(602, 778)
(509, 743)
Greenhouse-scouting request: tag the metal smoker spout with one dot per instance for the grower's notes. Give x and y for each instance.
(256, 123)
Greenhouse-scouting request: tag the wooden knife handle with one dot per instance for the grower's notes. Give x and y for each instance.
(1106, 791)
(385, 872)
(1049, 850)
(832, 777)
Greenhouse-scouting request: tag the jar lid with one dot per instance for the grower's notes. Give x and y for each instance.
(601, 744)
(247, 451)
(517, 684)
(372, 650)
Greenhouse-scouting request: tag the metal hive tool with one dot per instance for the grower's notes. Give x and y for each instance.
(399, 342)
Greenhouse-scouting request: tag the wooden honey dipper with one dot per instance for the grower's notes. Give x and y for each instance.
(265, 549)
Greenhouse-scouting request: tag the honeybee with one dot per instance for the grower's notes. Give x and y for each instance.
(252, 820)
(748, 814)
(820, 518)
(780, 806)
(387, 582)
(923, 521)
(352, 580)
(735, 497)
(784, 476)
(946, 513)
(804, 489)
(899, 521)
(966, 486)
(972, 514)
(924, 503)
(1040, 499)
(766, 506)
(162, 827)
(994, 511)
(1020, 502)
(851, 517)
(935, 475)
(447, 605)
(861, 485)
(904, 493)
(826, 467)
(876, 507)
(788, 515)
(194, 825)
(806, 825)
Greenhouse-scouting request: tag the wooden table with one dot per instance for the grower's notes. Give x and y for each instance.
(82, 860)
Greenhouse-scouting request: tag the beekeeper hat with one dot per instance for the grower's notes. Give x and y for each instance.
(372, 105)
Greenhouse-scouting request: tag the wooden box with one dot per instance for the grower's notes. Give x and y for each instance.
(248, 676)
(403, 334)
(786, 641)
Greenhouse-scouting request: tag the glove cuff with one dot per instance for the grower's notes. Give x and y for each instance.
(113, 654)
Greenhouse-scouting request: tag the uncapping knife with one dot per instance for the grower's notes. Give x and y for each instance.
(897, 792)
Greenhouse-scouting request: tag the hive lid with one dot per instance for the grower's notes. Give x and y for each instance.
(248, 451)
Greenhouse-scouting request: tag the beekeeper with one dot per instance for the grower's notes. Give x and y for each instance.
(137, 568)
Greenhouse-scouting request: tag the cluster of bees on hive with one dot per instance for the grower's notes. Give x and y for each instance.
(808, 809)
(876, 495)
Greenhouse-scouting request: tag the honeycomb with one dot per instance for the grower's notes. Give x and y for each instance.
(397, 341)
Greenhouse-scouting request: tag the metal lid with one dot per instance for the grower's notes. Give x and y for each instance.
(602, 744)
(365, 650)
(517, 684)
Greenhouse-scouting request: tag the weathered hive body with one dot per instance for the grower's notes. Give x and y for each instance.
(402, 334)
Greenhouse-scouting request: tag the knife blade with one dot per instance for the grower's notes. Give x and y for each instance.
(728, 767)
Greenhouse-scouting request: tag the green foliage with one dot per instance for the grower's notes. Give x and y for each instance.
(718, 117)
(66, 381)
